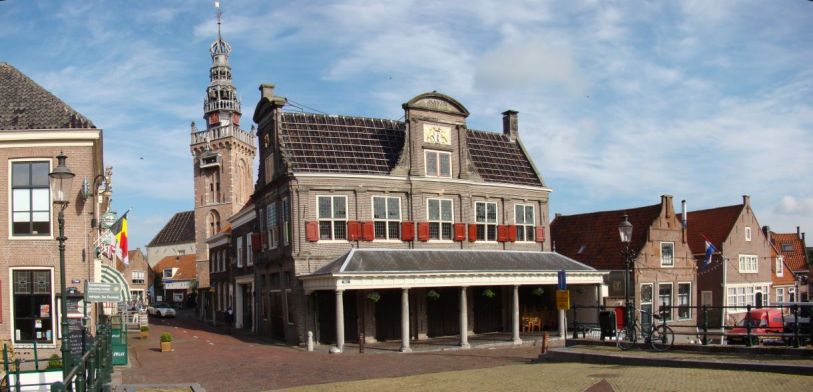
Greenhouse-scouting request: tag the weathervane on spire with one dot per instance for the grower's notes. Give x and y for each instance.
(219, 14)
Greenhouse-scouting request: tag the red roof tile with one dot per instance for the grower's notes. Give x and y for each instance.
(184, 263)
(714, 224)
(792, 249)
(593, 238)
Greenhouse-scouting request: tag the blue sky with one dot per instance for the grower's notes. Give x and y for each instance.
(619, 101)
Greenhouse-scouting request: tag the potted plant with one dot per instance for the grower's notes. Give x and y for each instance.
(166, 342)
(374, 296)
(489, 293)
(433, 295)
(145, 332)
(54, 362)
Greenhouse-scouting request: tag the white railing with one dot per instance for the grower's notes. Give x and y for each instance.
(223, 132)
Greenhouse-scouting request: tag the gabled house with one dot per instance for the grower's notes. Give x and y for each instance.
(740, 268)
(137, 274)
(663, 271)
(175, 278)
(176, 238)
(793, 285)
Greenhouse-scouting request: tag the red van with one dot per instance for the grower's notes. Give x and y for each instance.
(763, 321)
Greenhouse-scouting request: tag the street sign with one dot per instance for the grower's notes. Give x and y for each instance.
(563, 299)
(562, 280)
(102, 292)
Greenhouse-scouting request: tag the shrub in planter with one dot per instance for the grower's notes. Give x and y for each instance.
(55, 362)
(166, 342)
(145, 331)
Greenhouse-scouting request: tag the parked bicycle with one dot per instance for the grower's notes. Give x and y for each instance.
(659, 336)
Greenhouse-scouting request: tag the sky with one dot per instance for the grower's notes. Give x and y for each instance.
(619, 101)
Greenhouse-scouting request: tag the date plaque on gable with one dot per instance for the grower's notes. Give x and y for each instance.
(437, 134)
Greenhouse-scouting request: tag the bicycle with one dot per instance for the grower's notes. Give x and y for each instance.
(659, 336)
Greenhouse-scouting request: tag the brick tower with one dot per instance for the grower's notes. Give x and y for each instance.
(223, 155)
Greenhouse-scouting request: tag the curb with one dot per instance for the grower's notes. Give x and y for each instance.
(561, 355)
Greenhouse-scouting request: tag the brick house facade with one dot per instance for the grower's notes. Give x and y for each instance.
(138, 274)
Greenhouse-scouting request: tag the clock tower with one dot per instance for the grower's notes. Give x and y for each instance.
(222, 153)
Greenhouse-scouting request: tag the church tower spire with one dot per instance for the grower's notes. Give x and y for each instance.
(222, 153)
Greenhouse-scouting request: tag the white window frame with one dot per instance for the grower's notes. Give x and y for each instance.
(273, 226)
(525, 227)
(55, 309)
(485, 224)
(239, 251)
(333, 219)
(780, 294)
(651, 301)
(748, 233)
(749, 264)
(671, 300)
(133, 277)
(440, 222)
(286, 221)
(745, 294)
(663, 260)
(689, 305)
(780, 266)
(386, 220)
(10, 222)
(426, 153)
(249, 250)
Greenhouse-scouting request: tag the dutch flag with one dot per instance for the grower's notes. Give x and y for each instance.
(710, 249)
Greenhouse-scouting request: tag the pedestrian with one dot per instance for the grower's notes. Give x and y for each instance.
(229, 318)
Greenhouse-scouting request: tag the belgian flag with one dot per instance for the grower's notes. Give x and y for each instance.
(119, 229)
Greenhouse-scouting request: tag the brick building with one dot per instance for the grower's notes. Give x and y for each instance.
(138, 275)
(791, 270)
(400, 230)
(35, 127)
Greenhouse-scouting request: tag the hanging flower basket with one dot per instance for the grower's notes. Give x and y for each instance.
(433, 295)
(538, 291)
(374, 296)
(489, 293)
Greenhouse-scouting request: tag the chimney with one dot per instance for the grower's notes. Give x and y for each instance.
(767, 231)
(510, 127)
(558, 214)
(798, 232)
(746, 200)
(683, 213)
(666, 204)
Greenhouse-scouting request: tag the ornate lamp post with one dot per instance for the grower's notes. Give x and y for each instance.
(625, 232)
(61, 180)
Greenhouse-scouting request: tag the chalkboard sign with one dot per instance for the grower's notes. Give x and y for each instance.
(73, 305)
(75, 334)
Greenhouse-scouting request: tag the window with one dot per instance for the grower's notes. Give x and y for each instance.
(748, 264)
(665, 299)
(747, 233)
(780, 294)
(439, 215)
(286, 221)
(30, 198)
(524, 219)
(786, 247)
(273, 228)
(167, 273)
(646, 306)
(485, 215)
(667, 254)
(239, 248)
(33, 307)
(138, 277)
(791, 294)
(387, 217)
(332, 217)
(438, 163)
(249, 250)
(684, 301)
(741, 296)
(780, 266)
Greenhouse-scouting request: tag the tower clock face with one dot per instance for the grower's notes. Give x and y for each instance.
(437, 134)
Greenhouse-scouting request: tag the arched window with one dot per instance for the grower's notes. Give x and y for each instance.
(212, 223)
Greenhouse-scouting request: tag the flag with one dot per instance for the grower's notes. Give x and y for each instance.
(119, 229)
(710, 249)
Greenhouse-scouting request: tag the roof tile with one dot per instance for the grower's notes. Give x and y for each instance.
(180, 229)
(714, 224)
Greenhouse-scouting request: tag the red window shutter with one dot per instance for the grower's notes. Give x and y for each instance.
(423, 231)
(512, 233)
(502, 233)
(353, 230)
(540, 233)
(368, 231)
(472, 232)
(459, 231)
(312, 231)
(256, 242)
(407, 231)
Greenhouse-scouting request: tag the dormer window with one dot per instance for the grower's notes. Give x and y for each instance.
(167, 273)
(438, 163)
(786, 247)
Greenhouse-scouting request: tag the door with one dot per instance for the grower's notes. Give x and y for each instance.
(388, 316)
(247, 305)
(443, 312)
(487, 309)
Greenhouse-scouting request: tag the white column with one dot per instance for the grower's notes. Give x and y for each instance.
(340, 320)
(464, 319)
(515, 317)
(405, 321)
(562, 324)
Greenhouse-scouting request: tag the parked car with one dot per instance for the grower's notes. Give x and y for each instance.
(804, 309)
(763, 321)
(161, 309)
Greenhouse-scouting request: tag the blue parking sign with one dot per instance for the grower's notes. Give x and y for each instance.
(562, 280)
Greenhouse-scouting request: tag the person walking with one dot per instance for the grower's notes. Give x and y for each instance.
(229, 318)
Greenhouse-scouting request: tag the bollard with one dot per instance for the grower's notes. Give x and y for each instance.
(795, 326)
(310, 341)
(748, 326)
(361, 343)
(705, 325)
(545, 343)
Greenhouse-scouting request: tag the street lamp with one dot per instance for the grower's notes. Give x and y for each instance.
(625, 232)
(61, 180)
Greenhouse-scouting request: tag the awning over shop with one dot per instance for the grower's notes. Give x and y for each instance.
(112, 275)
(406, 268)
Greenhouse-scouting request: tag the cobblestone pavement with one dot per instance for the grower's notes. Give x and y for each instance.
(221, 362)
